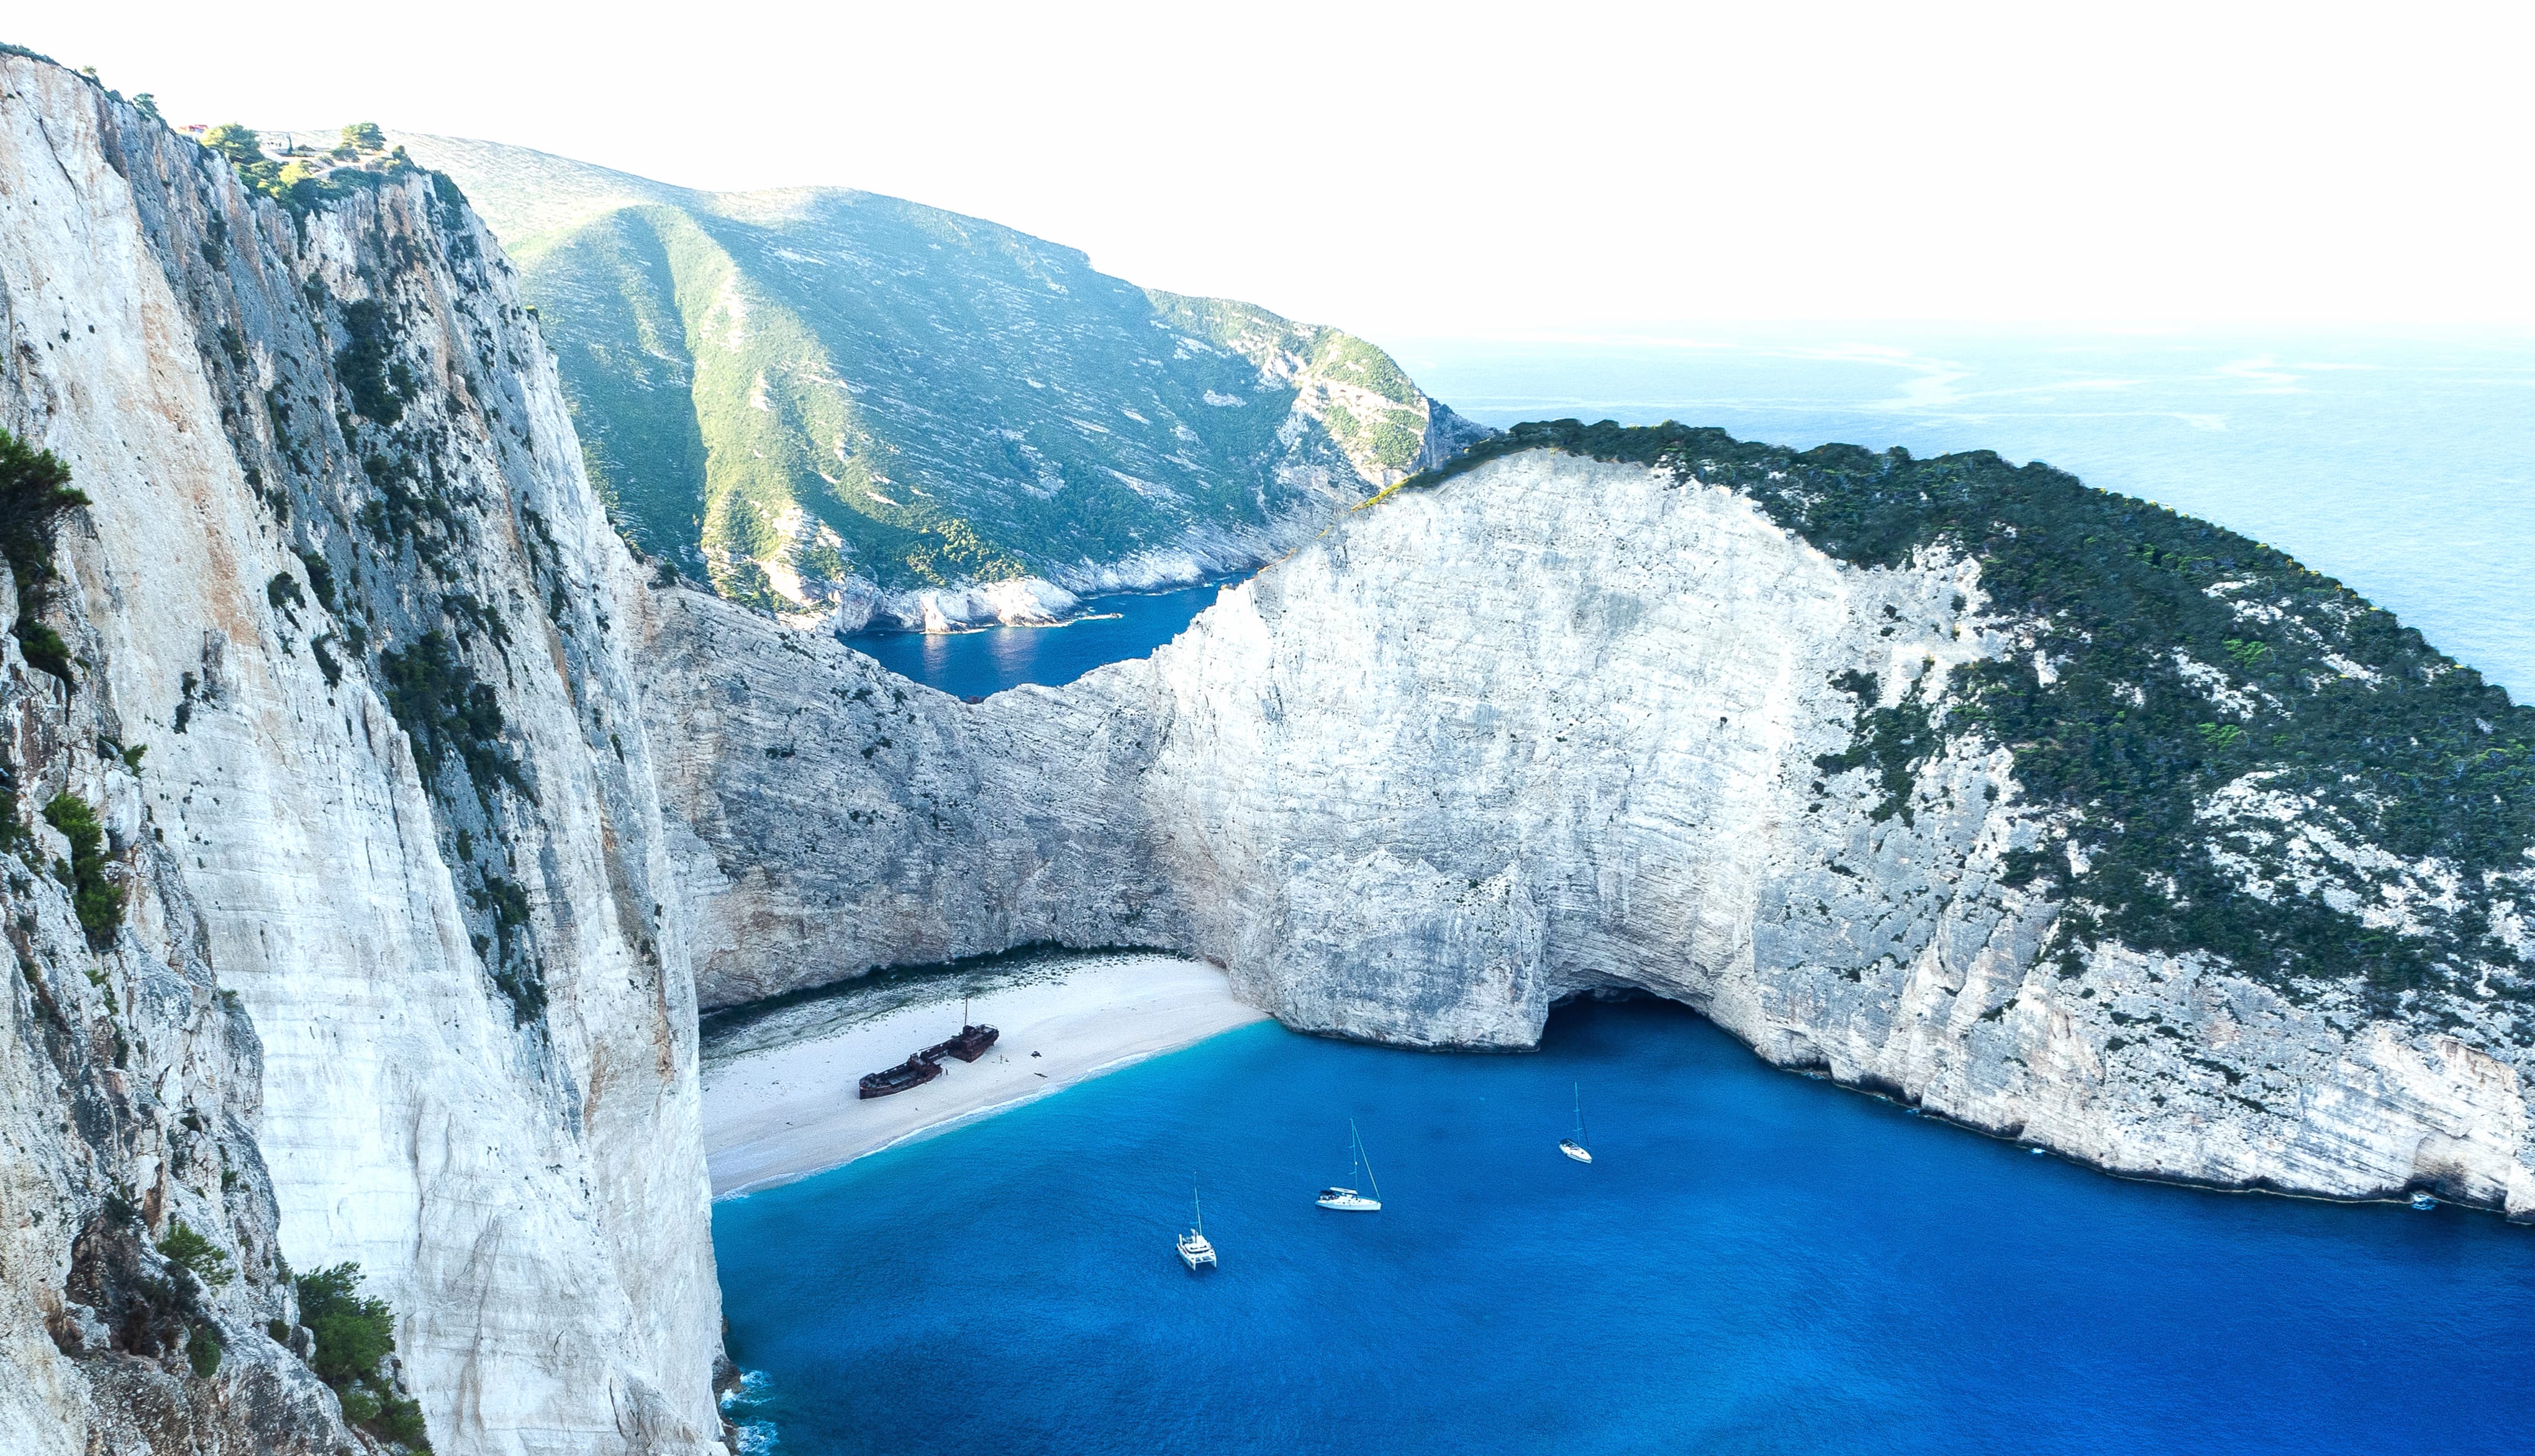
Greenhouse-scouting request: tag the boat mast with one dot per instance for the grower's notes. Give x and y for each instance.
(1580, 1111)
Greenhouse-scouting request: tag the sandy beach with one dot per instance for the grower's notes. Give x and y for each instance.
(779, 1087)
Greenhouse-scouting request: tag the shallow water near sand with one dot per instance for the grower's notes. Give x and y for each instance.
(1756, 1262)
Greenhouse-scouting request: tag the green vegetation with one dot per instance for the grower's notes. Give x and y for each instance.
(364, 136)
(1892, 741)
(853, 386)
(448, 715)
(203, 1352)
(300, 185)
(195, 1255)
(354, 1336)
(98, 902)
(237, 141)
(2343, 710)
(34, 494)
(378, 382)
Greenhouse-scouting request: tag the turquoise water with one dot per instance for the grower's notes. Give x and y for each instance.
(1756, 1262)
(976, 664)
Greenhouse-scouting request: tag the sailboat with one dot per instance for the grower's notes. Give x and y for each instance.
(1574, 1147)
(1348, 1200)
(1193, 1249)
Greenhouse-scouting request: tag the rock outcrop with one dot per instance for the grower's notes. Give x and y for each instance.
(1561, 726)
(400, 980)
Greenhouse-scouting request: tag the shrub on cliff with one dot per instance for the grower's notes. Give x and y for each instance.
(197, 1255)
(202, 1351)
(34, 494)
(365, 135)
(98, 902)
(378, 382)
(354, 1336)
(444, 712)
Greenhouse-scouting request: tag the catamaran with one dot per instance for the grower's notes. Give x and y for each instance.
(1574, 1147)
(1193, 1249)
(1348, 1200)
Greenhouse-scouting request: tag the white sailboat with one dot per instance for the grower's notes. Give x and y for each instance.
(1194, 1252)
(1574, 1147)
(1348, 1200)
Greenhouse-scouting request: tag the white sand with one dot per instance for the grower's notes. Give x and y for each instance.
(779, 1093)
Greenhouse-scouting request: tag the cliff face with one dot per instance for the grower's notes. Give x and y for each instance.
(1560, 726)
(402, 981)
(832, 403)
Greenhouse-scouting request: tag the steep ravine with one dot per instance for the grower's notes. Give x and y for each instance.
(402, 981)
(1559, 724)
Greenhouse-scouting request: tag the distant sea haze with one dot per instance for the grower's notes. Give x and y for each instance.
(2404, 466)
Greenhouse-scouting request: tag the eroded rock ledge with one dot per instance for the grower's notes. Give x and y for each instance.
(1561, 724)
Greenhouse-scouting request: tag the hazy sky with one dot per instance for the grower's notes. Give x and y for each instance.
(1511, 170)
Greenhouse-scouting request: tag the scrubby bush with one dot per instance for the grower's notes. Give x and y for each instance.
(34, 494)
(354, 1336)
(236, 142)
(202, 1351)
(365, 135)
(98, 902)
(371, 374)
(446, 713)
(195, 1255)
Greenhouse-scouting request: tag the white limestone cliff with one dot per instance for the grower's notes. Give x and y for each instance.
(1550, 728)
(517, 1172)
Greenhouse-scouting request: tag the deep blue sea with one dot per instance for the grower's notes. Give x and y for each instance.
(1754, 1262)
(1758, 1263)
(975, 664)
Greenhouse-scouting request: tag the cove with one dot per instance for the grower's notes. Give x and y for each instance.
(976, 664)
(1757, 1261)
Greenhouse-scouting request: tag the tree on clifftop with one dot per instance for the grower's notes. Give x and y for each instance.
(236, 142)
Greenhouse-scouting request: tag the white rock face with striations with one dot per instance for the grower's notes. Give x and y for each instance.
(1550, 728)
(343, 580)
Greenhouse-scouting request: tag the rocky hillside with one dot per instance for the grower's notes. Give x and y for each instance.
(2049, 811)
(335, 877)
(828, 401)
